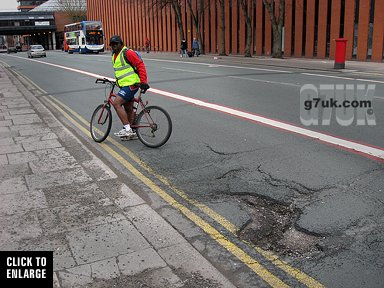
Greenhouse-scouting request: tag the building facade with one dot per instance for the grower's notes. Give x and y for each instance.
(310, 26)
(27, 28)
(26, 5)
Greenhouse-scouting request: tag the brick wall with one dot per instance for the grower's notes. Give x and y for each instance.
(310, 26)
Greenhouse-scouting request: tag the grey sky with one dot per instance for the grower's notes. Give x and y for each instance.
(8, 5)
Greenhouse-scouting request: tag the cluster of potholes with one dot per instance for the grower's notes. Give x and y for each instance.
(272, 227)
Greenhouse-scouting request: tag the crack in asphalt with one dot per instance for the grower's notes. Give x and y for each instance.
(357, 178)
(228, 153)
(295, 186)
(232, 171)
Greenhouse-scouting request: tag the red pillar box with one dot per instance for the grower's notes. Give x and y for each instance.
(340, 53)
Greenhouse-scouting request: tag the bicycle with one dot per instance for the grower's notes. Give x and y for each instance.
(153, 124)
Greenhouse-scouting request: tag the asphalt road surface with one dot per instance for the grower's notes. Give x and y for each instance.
(306, 202)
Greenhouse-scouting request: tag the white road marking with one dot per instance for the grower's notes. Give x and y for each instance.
(328, 76)
(376, 152)
(365, 149)
(235, 77)
(266, 81)
(189, 71)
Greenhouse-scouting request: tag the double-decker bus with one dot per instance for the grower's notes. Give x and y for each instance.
(84, 37)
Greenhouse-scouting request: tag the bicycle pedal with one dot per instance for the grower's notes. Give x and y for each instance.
(128, 138)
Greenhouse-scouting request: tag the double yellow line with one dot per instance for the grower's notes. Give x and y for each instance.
(249, 261)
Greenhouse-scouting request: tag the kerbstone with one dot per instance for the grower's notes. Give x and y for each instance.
(98, 170)
(185, 257)
(128, 198)
(154, 228)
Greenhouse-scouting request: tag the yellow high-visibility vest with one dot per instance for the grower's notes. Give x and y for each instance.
(124, 73)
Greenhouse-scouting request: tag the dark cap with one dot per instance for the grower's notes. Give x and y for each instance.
(115, 39)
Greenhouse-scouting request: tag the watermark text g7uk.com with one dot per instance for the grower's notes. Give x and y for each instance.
(347, 103)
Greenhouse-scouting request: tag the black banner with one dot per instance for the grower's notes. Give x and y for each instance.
(26, 268)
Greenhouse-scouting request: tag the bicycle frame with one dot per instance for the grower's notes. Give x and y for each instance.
(152, 124)
(137, 100)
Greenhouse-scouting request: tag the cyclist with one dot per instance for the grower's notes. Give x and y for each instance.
(129, 70)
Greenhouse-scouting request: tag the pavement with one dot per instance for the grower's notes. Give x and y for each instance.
(56, 195)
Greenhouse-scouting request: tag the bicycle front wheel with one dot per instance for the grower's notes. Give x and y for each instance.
(154, 126)
(101, 123)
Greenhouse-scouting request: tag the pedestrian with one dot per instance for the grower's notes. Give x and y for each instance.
(129, 70)
(147, 45)
(183, 48)
(195, 47)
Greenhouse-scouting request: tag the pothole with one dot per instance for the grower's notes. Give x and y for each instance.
(272, 228)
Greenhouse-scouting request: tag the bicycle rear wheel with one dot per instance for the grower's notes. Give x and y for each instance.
(154, 126)
(101, 123)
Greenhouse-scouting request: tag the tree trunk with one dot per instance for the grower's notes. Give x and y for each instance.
(177, 9)
(248, 22)
(201, 17)
(197, 21)
(222, 21)
(277, 26)
(277, 51)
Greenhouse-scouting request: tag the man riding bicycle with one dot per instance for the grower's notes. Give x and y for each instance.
(129, 70)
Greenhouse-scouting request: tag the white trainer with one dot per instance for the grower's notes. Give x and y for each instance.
(125, 133)
(127, 138)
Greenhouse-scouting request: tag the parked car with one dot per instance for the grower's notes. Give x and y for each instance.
(19, 47)
(11, 50)
(36, 50)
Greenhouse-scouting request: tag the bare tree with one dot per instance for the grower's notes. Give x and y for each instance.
(277, 26)
(222, 25)
(197, 18)
(74, 9)
(176, 6)
(245, 7)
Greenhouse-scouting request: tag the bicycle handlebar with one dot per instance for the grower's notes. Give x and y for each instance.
(105, 80)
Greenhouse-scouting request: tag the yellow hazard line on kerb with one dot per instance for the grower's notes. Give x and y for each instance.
(294, 272)
(211, 231)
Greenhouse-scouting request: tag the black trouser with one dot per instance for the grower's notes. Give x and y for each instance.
(195, 51)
